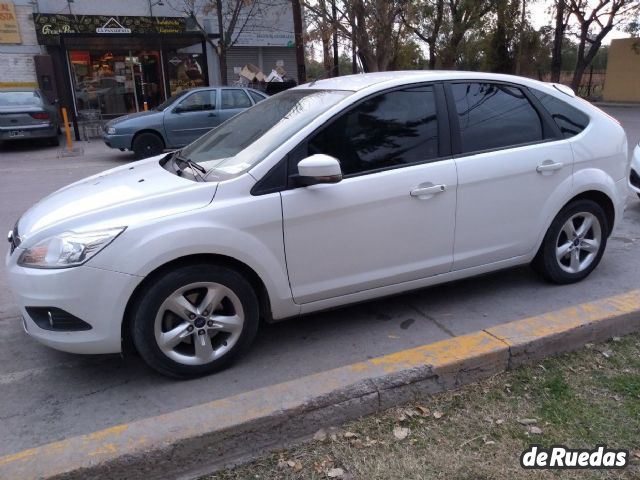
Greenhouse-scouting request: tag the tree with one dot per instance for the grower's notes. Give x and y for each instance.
(595, 20)
(425, 19)
(373, 26)
(561, 22)
(464, 15)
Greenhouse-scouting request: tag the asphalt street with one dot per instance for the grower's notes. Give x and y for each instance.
(47, 395)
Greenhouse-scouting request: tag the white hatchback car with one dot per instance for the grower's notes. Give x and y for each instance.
(334, 192)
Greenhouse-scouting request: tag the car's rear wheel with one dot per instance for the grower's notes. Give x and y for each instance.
(54, 141)
(195, 320)
(147, 144)
(574, 243)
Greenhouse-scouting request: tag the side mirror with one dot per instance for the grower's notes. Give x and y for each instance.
(316, 169)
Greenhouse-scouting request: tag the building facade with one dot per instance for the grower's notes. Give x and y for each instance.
(622, 83)
(125, 56)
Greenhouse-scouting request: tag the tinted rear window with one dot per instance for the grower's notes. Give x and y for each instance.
(570, 120)
(494, 116)
(17, 99)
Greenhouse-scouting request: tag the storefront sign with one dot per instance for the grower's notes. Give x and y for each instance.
(112, 26)
(50, 26)
(9, 31)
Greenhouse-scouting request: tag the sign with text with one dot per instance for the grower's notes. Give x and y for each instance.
(9, 30)
(50, 26)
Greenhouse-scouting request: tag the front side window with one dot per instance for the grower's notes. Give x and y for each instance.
(395, 128)
(235, 99)
(570, 120)
(198, 101)
(494, 116)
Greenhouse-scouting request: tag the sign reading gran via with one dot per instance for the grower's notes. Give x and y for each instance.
(50, 26)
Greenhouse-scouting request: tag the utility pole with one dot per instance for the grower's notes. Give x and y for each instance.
(299, 40)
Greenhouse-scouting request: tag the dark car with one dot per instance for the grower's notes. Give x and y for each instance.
(25, 113)
(179, 120)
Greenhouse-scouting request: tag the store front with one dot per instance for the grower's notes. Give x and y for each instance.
(121, 65)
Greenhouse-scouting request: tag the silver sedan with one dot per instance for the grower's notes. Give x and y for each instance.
(25, 113)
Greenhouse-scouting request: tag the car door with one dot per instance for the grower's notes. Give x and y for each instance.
(232, 102)
(514, 171)
(193, 116)
(392, 217)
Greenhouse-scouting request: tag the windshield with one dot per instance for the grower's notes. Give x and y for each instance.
(246, 139)
(17, 98)
(170, 100)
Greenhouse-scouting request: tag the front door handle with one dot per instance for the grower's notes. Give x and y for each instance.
(427, 191)
(549, 166)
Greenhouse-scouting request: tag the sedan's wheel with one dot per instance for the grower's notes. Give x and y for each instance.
(574, 243)
(147, 145)
(195, 320)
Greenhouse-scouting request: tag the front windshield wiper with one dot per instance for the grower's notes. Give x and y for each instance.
(182, 162)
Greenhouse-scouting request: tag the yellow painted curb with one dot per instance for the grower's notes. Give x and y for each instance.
(245, 424)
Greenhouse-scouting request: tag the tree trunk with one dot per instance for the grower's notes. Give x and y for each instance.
(523, 19)
(334, 29)
(354, 48)
(222, 48)
(558, 37)
(299, 39)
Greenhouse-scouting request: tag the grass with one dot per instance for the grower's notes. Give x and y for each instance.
(478, 432)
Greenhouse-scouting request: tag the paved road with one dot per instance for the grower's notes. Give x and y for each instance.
(47, 395)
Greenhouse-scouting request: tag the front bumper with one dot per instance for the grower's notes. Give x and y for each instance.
(118, 141)
(26, 132)
(634, 174)
(95, 295)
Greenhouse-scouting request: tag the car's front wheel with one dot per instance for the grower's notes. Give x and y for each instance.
(195, 320)
(147, 144)
(574, 243)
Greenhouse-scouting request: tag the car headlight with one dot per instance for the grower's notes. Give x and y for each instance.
(68, 249)
(111, 130)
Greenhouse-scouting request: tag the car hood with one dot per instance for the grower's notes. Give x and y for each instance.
(119, 197)
(132, 116)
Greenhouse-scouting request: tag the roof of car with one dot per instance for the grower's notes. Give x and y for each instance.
(365, 80)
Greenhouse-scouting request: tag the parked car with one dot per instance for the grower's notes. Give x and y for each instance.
(338, 191)
(634, 173)
(179, 120)
(25, 113)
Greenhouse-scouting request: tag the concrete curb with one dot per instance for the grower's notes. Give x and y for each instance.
(199, 439)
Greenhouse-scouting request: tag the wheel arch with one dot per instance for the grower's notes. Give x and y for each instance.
(148, 130)
(601, 199)
(197, 259)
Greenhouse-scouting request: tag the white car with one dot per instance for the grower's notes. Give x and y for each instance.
(634, 173)
(334, 192)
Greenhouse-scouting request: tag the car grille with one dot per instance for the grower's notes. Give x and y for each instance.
(14, 238)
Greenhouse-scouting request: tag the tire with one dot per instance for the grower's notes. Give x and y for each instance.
(54, 141)
(147, 144)
(206, 341)
(638, 195)
(568, 254)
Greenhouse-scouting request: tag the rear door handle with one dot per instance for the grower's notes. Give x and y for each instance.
(427, 191)
(549, 166)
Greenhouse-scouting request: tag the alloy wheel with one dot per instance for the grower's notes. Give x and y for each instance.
(199, 323)
(578, 242)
